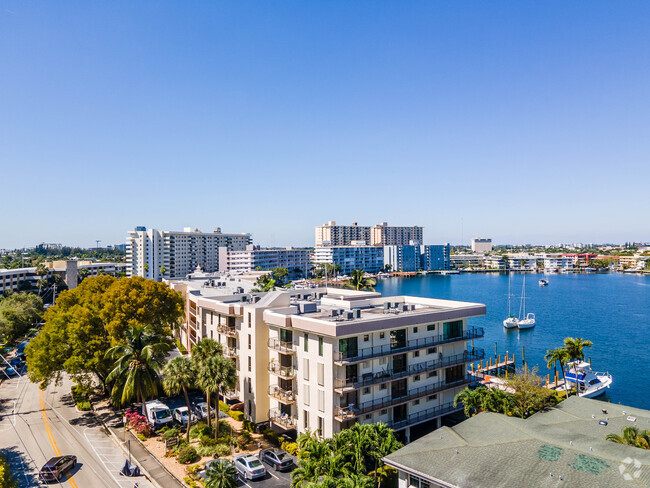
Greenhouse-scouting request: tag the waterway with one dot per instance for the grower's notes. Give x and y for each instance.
(611, 310)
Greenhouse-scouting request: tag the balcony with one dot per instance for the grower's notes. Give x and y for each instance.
(424, 415)
(232, 394)
(229, 331)
(282, 420)
(345, 413)
(288, 397)
(341, 384)
(282, 346)
(378, 351)
(287, 372)
(230, 352)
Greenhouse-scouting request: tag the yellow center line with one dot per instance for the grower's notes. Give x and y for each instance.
(50, 436)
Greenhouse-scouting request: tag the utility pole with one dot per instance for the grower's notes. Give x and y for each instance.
(53, 293)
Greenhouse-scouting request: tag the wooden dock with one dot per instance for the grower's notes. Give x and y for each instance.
(499, 366)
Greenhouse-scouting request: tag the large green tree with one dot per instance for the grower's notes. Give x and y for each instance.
(179, 375)
(137, 362)
(221, 474)
(359, 281)
(88, 320)
(19, 312)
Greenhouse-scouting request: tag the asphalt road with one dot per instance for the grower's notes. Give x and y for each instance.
(36, 425)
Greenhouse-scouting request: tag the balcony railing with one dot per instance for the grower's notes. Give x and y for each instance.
(345, 413)
(283, 371)
(231, 394)
(284, 347)
(282, 420)
(424, 415)
(285, 396)
(229, 331)
(390, 374)
(415, 344)
(230, 352)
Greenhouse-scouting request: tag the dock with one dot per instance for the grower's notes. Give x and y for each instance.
(498, 366)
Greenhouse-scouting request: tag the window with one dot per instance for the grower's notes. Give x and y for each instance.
(321, 374)
(416, 354)
(416, 377)
(305, 374)
(320, 346)
(321, 400)
(321, 425)
(250, 341)
(365, 364)
(368, 416)
(305, 419)
(431, 350)
(366, 391)
(366, 338)
(452, 330)
(382, 335)
(432, 397)
(415, 330)
(431, 327)
(382, 386)
(432, 374)
(415, 482)
(348, 347)
(383, 412)
(249, 364)
(306, 343)
(306, 394)
(416, 402)
(250, 388)
(249, 319)
(250, 408)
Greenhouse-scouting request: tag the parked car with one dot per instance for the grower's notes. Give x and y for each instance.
(201, 411)
(203, 474)
(280, 459)
(181, 415)
(11, 371)
(17, 362)
(57, 467)
(249, 467)
(158, 414)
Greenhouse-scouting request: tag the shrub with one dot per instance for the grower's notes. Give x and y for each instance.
(208, 441)
(272, 437)
(243, 439)
(222, 450)
(206, 451)
(181, 347)
(190, 482)
(187, 455)
(248, 425)
(290, 447)
(239, 407)
(6, 478)
(194, 469)
(201, 429)
(170, 433)
(239, 416)
(84, 405)
(142, 437)
(138, 423)
(224, 407)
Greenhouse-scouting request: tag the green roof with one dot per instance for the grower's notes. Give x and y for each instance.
(562, 446)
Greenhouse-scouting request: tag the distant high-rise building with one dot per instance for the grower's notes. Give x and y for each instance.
(481, 245)
(156, 254)
(349, 258)
(331, 234)
(255, 258)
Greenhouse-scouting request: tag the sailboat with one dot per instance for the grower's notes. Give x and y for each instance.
(529, 320)
(511, 321)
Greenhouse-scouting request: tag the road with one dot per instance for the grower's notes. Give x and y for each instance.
(36, 425)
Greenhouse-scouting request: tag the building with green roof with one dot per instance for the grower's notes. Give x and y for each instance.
(562, 446)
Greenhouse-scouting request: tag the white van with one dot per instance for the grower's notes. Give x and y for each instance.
(158, 414)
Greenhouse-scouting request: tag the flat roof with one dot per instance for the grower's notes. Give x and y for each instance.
(562, 446)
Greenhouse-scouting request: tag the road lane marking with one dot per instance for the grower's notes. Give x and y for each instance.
(50, 435)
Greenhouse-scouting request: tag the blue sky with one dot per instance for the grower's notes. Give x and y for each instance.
(520, 121)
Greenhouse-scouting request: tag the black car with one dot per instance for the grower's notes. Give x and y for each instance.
(278, 458)
(57, 467)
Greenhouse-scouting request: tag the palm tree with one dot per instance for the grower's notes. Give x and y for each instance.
(163, 270)
(359, 281)
(632, 436)
(382, 443)
(137, 362)
(208, 378)
(574, 348)
(83, 274)
(471, 401)
(179, 375)
(558, 355)
(264, 283)
(221, 474)
(203, 351)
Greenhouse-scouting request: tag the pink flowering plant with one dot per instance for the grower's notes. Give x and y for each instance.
(137, 422)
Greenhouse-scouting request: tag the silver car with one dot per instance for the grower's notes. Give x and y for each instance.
(182, 415)
(249, 467)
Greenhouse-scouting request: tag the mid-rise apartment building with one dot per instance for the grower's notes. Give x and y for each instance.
(156, 254)
(324, 359)
(481, 245)
(331, 234)
(297, 261)
(368, 258)
(417, 258)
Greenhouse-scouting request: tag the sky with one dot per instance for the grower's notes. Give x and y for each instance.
(526, 122)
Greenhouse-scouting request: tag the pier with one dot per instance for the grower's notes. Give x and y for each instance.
(499, 366)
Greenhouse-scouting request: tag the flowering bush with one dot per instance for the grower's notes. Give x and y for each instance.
(138, 423)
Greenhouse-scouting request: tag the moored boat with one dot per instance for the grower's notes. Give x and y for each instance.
(589, 383)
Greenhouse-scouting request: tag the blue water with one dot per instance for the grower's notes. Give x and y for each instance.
(611, 310)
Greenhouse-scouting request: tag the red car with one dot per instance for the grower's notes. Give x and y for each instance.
(57, 467)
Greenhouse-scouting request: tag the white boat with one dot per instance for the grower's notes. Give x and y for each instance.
(512, 321)
(590, 384)
(529, 321)
(543, 282)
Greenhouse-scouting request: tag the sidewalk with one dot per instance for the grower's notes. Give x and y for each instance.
(148, 463)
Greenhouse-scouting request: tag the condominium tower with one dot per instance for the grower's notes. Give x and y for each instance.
(156, 254)
(331, 234)
(324, 359)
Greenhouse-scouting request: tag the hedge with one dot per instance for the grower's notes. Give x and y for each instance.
(236, 415)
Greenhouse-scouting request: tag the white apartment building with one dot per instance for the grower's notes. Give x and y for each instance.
(349, 258)
(324, 359)
(331, 234)
(151, 251)
(297, 261)
(467, 260)
(557, 263)
(481, 245)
